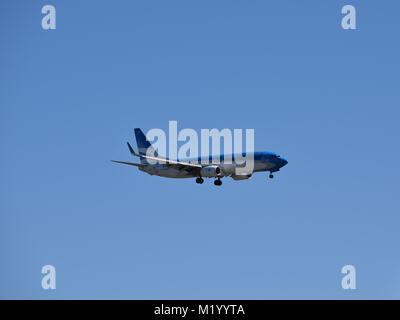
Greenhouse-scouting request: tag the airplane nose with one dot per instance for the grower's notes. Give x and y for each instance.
(283, 162)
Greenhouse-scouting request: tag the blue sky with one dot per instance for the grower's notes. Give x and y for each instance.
(325, 98)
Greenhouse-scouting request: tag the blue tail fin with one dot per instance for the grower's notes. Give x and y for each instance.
(144, 146)
(141, 141)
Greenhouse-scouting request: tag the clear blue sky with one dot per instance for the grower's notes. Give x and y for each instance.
(325, 98)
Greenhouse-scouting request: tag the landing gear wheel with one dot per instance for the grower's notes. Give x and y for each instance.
(218, 182)
(271, 176)
(199, 180)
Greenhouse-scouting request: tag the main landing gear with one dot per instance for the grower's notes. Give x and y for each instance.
(271, 176)
(199, 180)
(218, 182)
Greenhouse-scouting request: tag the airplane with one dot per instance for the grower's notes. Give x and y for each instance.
(194, 168)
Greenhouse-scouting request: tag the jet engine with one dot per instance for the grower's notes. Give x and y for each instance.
(210, 171)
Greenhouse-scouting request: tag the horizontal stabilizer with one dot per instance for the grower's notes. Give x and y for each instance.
(130, 163)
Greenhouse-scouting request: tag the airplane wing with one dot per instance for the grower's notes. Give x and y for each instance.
(191, 167)
(130, 163)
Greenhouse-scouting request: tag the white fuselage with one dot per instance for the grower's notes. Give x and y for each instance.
(228, 169)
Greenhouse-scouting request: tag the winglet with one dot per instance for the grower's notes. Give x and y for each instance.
(131, 149)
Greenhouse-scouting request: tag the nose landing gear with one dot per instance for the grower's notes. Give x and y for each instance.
(271, 176)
